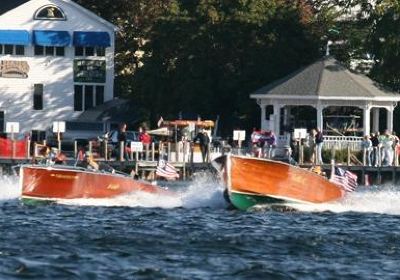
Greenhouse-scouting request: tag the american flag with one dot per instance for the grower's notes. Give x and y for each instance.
(166, 170)
(345, 179)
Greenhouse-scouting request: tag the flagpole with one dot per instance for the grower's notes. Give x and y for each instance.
(332, 168)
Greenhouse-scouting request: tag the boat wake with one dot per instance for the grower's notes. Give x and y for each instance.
(384, 199)
(201, 192)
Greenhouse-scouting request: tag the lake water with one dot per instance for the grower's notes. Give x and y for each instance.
(195, 236)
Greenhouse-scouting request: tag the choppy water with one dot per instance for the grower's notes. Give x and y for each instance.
(194, 236)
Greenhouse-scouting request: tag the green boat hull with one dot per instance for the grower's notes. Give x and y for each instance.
(244, 201)
(36, 202)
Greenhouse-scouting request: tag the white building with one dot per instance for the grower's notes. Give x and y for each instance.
(56, 61)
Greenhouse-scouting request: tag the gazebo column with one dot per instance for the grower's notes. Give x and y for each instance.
(320, 117)
(277, 119)
(389, 119)
(263, 117)
(375, 119)
(366, 119)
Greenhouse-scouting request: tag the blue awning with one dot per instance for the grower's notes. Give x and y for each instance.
(14, 37)
(91, 39)
(51, 38)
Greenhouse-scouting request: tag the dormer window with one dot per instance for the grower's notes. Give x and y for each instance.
(50, 12)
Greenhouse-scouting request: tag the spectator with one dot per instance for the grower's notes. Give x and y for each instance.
(387, 148)
(396, 147)
(204, 141)
(319, 141)
(270, 144)
(375, 148)
(366, 145)
(122, 142)
(145, 138)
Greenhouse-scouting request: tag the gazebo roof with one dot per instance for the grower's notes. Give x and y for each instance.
(326, 78)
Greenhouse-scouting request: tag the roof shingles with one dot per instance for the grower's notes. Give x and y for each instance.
(325, 77)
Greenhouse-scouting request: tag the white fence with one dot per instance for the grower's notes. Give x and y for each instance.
(342, 142)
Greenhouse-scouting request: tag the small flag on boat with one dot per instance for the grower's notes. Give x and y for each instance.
(166, 170)
(346, 179)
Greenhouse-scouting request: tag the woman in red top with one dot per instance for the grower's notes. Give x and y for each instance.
(144, 137)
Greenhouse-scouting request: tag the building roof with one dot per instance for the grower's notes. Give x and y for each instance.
(10, 5)
(113, 111)
(325, 78)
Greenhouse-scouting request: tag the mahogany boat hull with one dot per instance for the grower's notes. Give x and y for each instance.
(253, 181)
(67, 182)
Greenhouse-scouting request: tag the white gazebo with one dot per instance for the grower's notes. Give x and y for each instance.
(320, 85)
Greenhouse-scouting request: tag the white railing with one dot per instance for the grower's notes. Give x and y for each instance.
(342, 142)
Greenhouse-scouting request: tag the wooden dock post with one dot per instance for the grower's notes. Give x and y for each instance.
(348, 155)
(75, 149)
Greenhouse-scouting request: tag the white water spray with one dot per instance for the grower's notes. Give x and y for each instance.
(203, 191)
(9, 188)
(384, 199)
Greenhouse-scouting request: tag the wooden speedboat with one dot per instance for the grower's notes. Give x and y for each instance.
(56, 182)
(253, 181)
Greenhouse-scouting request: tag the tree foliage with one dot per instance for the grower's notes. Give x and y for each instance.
(205, 57)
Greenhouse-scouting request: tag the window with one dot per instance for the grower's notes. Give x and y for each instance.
(99, 95)
(79, 51)
(78, 104)
(88, 96)
(8, 49)
(90, 51)
(38, 135)
(60, 51)
(39, 50)
(49, 51)
(50, 12)
(100, 51)
(12, 49)
(38, 97)
(19, 50)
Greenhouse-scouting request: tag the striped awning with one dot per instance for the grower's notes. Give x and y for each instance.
(14, 37)
(51, 38)
(91, 39)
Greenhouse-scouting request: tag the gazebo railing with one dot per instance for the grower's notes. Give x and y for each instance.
(342, 142)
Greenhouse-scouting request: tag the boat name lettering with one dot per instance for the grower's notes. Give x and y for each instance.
(63, 176)
(113, 187)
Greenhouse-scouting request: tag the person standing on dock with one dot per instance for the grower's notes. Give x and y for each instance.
(122, 142)
(387, 148)
(366, 146)
(204, 141)
(146, 140)
(375, 148)
(319, 141)
(270, 144)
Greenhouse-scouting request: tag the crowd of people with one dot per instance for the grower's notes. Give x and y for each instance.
(381, 149)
